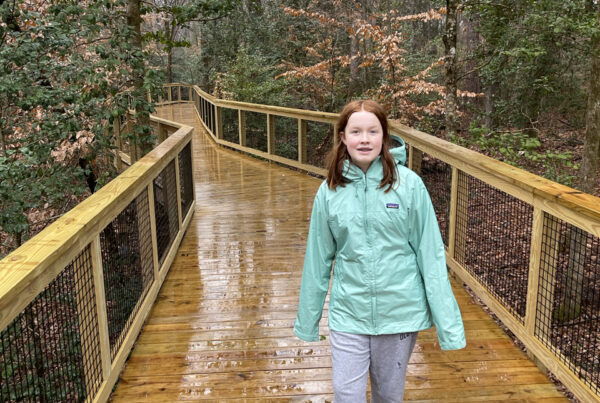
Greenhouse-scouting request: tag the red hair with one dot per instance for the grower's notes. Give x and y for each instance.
(339, 152)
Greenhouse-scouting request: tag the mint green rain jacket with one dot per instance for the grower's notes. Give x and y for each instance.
(390, 271)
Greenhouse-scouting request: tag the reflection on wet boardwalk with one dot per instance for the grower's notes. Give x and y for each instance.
(221, 329)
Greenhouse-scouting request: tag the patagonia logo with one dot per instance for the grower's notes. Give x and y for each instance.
(392, 205)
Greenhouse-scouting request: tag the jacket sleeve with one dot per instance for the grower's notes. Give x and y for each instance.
(320, 251)
(426, 241)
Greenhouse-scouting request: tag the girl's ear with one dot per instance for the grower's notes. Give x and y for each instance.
(342, 136)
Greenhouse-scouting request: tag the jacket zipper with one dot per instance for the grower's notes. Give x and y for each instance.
(371, 274)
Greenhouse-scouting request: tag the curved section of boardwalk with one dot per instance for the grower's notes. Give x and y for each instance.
(221, 329)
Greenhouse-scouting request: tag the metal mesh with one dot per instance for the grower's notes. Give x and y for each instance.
(408, 150)
(185, 93)
(437, 176)
(286, 137)
(50, 352)
(174, 94)
(126, 245)
(185, 179)
(211, 118)
(256, 130)
(568, 305)
(231, 125)
(203, 111)
(165, 208)
(493, 231)
(197, 103)
(319, 138)
(165, 94)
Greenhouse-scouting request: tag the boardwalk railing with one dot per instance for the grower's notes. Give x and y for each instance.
(74, 297)
(527, 246)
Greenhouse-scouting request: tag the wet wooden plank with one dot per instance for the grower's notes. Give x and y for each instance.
(221, 329)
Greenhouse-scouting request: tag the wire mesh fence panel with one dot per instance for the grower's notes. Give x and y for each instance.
(319, 139)
(211, 117)
(165, 94)
(185, 178)
(126, 245)
(286, 137)
(165, 208)
(50, 352)
(201, 108)
(174, 94)
(256, 131)
(494, 229)
(231, 125)
(568, 304)
(185, 93)
(408, 148)
(437, 176)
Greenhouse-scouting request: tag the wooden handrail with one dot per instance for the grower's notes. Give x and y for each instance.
(27, 271)
(506, 176)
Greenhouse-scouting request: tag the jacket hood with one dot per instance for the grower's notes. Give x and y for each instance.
(398, 151)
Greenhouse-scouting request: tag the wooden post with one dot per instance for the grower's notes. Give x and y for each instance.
(242, 127)
(302, 141)
(545, 240)
(153, 229)
(219, 122)
(162, 133)
(169, 94)
(96, 255)
(179, 93)
(140, 210)
(190, 98)
(452, 215)
(537, 234)
(336, 134)
(270, 133)
(416, 157)
(178, 192)
(461, 224)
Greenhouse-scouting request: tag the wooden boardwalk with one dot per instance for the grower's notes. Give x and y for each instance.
(221, 329)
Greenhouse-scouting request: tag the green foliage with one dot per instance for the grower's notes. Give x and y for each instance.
(67, 71)
(535, 55)
(523, 151)
(250, 78)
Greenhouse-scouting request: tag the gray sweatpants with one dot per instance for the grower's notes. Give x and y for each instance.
(385, 357)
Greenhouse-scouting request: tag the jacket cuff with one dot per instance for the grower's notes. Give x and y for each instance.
(453, 345)
(305, 336)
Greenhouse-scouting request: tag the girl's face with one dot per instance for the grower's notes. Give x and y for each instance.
(363, 137)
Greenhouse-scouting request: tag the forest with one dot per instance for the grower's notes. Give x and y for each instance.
(518, 80)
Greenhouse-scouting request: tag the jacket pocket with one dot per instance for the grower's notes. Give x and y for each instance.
(336, 288)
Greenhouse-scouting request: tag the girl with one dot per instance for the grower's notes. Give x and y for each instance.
(375, 218)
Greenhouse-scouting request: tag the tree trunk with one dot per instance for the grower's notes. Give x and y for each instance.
(450, 64)
(355, 81)
(141, 134)
(169, 64)
(169, 49)
(490, 92)
(591, 150)
(471, 40)
(570, 306)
